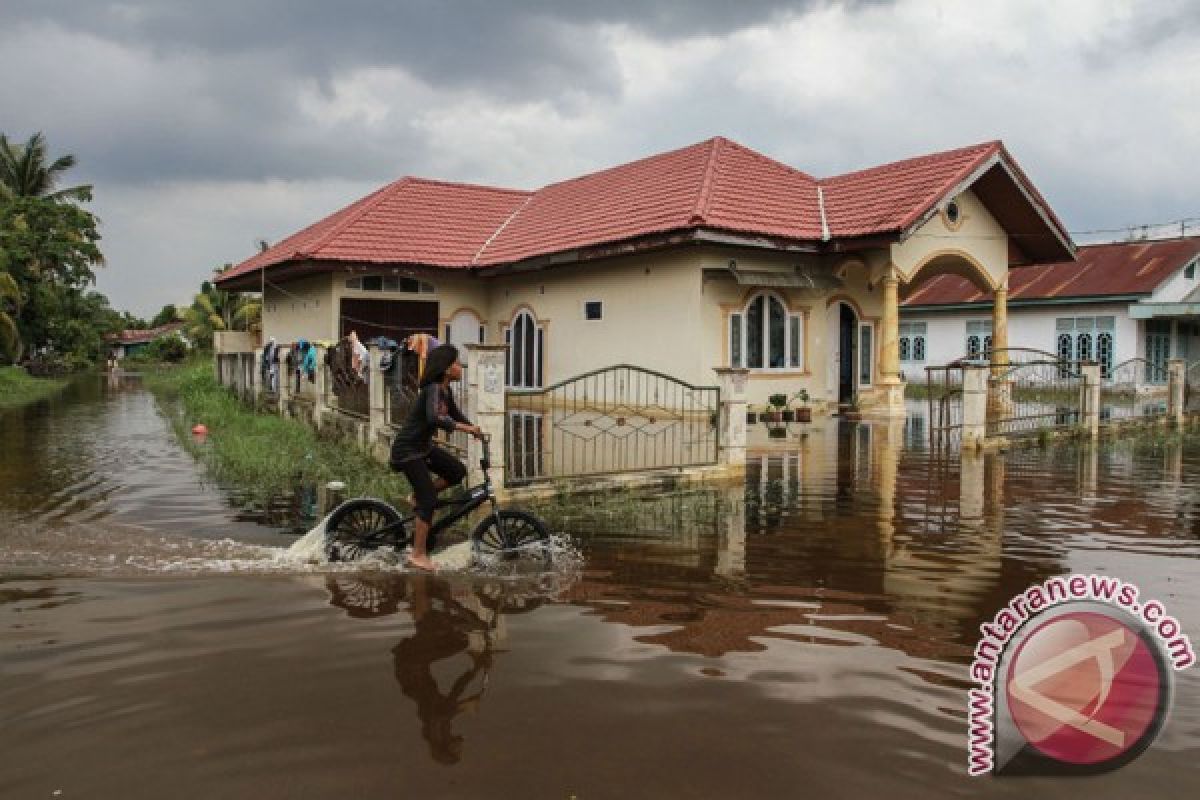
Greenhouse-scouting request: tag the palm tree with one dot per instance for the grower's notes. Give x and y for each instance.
(10, 338)
(213, 310)
(24, 172)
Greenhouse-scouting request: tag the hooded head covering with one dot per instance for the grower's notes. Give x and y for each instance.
(440, 359)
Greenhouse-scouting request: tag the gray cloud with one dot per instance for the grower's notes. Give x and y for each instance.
(205, 127)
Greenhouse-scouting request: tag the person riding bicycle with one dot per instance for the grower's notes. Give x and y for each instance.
(415, 454)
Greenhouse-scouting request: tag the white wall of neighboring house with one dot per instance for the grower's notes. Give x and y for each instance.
(1035, 328)
(1177, 287)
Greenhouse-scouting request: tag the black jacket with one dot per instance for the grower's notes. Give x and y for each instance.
(433, 408)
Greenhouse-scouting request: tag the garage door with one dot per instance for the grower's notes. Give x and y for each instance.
(394, 319)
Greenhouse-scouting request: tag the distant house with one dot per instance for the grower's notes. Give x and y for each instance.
(713, 255)
(127, 343)
(1112, 303)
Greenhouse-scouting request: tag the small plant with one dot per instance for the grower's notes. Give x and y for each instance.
(778, 401)
(803, 412)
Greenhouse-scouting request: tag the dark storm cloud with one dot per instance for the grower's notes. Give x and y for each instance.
(225, 104)
(511, 47)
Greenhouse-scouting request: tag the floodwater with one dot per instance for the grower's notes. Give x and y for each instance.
(809, 638)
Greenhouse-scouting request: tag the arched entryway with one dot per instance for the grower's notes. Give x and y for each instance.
(844, 333)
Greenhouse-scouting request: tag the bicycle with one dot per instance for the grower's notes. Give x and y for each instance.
(360, 526)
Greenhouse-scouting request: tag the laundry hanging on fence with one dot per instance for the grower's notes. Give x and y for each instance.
(269, 368)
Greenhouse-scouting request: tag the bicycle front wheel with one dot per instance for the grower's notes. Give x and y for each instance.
(357, 527)
(510, 534)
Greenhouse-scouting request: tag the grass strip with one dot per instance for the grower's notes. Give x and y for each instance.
(262, 454)
(18, 388)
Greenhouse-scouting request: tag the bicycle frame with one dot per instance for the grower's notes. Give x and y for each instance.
(474, 497)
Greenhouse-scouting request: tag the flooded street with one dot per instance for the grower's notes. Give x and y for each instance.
(811, 638)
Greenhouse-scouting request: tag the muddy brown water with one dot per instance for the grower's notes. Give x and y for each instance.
(811, 639)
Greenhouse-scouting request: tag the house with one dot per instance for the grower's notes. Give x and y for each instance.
(127, 343)
(1114, 302)
(709, 256)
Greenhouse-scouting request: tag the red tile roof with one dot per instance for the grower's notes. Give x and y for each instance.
(140, 336)
(1100, 270)
(715, 185)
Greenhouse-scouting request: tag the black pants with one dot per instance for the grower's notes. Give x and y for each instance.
(420, 472)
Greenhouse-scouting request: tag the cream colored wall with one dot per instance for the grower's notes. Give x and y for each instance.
(452, 292)
(651, 315)
(977, 237)
(299, 309)
(723, 296)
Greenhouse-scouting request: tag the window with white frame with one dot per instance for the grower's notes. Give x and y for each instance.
(866, 353)
(979, 338)
(525, 341)
(1086, 339)
(912, 341)
(765, 335)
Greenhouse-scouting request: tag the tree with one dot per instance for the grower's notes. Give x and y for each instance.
(166, 316)
(213, 310)
(10, 295)
(24, 172)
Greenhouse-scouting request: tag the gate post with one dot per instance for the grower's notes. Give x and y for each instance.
(376, 391)
(485, 408)
(1089, 405)
(1176, 377)
(975, 405)
(321, 390)
(285, 381)
(256, 381)
(731, 419)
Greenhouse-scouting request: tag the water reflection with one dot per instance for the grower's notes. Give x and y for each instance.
(445, 663)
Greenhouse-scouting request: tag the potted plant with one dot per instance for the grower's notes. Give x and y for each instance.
(852, 410)
(751, 415)
(776, 404)
(803, 411)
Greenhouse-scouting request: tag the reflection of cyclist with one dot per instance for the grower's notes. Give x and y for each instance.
(442, 625)
(413, 450)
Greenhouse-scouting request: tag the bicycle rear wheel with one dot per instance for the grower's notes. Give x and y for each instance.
(509, 535)
(357, 527)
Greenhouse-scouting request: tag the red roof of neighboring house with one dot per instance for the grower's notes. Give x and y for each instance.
(715, 185)
(142, 336)
(1100, 270)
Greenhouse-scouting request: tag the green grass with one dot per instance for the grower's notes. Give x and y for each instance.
(17, 388)
(262, 454)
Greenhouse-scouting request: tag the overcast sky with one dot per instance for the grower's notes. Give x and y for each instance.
(208, 126)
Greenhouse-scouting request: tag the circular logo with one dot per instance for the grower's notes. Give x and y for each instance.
(1086, 688)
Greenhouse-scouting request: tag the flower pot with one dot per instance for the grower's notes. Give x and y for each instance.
(789, 415)
(779, 432)
(751, 417)
(772, 416)
(803, 414)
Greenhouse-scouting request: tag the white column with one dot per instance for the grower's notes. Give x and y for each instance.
(285, 381)
(1176, 376)
(731, 419)
(975, 402)
(376, 399)
(320, 399)
(1090, 406)
(485, 408)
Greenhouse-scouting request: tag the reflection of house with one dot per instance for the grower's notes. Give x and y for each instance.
(127, 343)
(712, 255)
(1113, 303)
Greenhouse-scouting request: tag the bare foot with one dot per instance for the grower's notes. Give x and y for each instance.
(422, 562)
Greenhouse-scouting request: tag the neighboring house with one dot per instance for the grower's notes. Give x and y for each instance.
(709, 256)
(1112, 303)
(127, 343)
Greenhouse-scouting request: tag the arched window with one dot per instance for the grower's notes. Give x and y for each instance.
(524, 339)
(764, 335)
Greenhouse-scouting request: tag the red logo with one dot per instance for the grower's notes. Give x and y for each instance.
(1084, 688)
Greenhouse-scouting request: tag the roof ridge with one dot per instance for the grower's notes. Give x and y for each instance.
(706, 184)
(623, 165)
(994, 144)
(367, 203)
(465, 185)
(503, 225)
